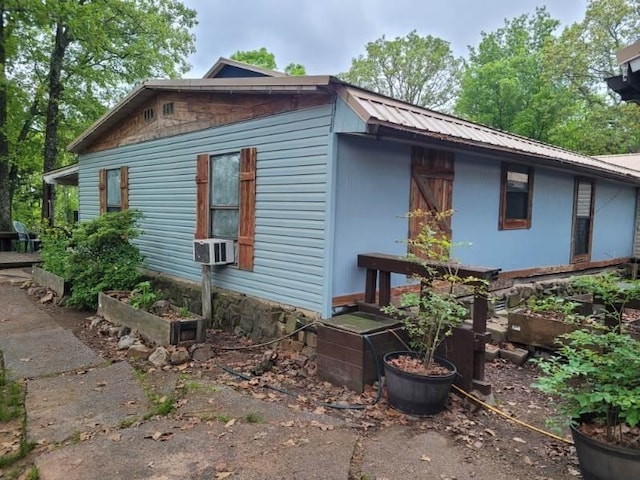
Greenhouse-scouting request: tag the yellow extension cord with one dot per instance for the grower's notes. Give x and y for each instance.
(515, 420)
(472, 397)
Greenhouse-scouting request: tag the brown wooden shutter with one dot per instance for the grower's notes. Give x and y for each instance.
(247, 208)
(102, 187)
(124, 188)
(202, 196)
(432, 176)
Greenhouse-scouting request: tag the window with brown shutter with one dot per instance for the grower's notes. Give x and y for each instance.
(225, 200)
(113, 185)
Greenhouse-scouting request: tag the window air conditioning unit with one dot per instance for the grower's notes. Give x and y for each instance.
(213, 251)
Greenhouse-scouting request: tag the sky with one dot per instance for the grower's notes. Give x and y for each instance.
(325, 35)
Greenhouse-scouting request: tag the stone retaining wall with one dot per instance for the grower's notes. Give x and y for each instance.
(241, 314)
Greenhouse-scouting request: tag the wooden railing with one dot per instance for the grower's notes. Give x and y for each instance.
(465, 348)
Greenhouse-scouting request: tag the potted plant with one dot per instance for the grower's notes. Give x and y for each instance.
(596, 382)
(418, 382)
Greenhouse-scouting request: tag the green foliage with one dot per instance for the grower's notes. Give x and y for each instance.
(295, 69)
(260, 58)
(416, 69)
(556, 305)
(55, 250)
(143, 296)
(505, 84)
(595, 374)
(430, 316)
(265, 59)
(65, 63)
(610, 289)
(103, 257)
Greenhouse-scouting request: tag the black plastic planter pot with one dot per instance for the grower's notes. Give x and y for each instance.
(417, 394)
(601, 461)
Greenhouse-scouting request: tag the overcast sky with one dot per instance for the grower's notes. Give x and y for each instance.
(324, 35)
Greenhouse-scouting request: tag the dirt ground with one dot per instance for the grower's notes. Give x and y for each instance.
(290, 379)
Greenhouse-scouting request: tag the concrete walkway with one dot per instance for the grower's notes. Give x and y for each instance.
(86, 416)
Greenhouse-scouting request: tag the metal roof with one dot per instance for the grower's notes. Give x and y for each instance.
(375, 109)
(627, 160)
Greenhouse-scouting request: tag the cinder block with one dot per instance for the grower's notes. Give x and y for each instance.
(491, 352)
(498, 329)
(517, 355)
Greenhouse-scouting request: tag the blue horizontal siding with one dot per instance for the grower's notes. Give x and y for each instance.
(476, 200)
(290, 201)
(613, 220)
(372, 197)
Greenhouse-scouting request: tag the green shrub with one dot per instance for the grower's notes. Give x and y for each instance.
(595, 375)
(55, 252)
(103, 258)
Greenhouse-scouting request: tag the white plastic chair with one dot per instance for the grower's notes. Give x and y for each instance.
(26, 237)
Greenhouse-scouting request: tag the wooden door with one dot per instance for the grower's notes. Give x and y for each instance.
(431, 187)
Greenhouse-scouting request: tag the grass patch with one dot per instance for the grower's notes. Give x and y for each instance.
(223, 418)
(11, 409)
(25, 448)
(127, 422)
(253, 417)
(161, 406)
(11, 401)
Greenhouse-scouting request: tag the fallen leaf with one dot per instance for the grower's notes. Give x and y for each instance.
(230, 423)
(290, 443)
(101, 384)
(115, 437)
(85, 436)
(424, 458)
(223, 474)
(25, 359)
(490, 432)
(320, 411)
(519, 440)
(287, 424)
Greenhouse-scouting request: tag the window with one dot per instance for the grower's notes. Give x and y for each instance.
(582, 221)
(148, 114)
(516, 192)
(113, 190)
(113, 184)
(224, 196)
(167, 109)
(226, 200)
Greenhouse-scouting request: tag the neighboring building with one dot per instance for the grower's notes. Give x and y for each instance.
(627, 85)
(304, 173)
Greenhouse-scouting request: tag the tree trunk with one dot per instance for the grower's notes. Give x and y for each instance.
(55, 88)
(5, 182)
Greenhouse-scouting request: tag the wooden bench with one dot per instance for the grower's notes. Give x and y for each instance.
(465, 348)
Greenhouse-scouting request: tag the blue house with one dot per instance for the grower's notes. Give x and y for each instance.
(304, 173)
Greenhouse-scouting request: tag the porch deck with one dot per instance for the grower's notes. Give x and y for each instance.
(18, 259)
